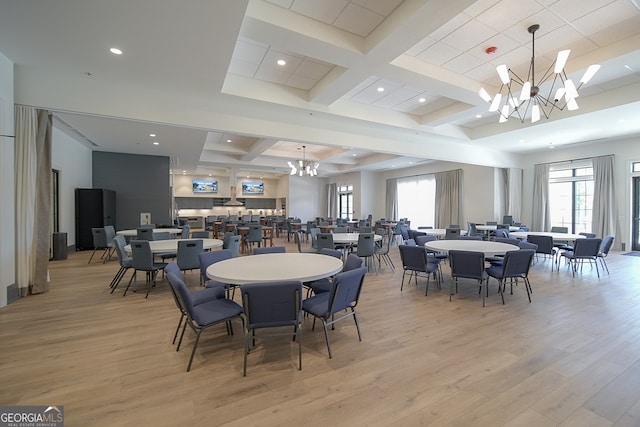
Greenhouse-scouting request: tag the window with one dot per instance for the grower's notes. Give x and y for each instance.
(417, 199)
(345, 201)
(55, 201)
(571, 196)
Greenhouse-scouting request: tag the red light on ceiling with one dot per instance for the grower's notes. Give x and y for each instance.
(490, 50)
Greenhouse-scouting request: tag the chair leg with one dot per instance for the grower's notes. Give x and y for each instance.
(92, 254)
(298, 336)
(527, 286)
(115, 285)
(193, 352)
(355, 319)
(153, 282)
(246, 352)
(116, 277)
(184, 328)
(133, 277)
(177, 329)
(326, 337)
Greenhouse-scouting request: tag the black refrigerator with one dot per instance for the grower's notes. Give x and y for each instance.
(95, 207)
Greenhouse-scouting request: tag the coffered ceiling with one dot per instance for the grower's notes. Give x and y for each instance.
(366, 84)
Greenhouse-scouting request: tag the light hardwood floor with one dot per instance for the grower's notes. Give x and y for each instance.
(570, 358)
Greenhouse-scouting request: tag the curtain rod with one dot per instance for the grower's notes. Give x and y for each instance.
(8, 136)
(423, 174)
(574, 160)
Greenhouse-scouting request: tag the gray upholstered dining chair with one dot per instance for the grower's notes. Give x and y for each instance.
(414, 262)
(208, 258)
(199, 297)
(125, 261)
(467, 265)
(515, 266)
(234, 245)
(100, 242)
(605, 247)
(144, 233)
(584, 250)
(298, 238)
(270, 250)
(330, 307)
(452, 233)
(142, 260)
(204, 315)
(188, 254)
(271, 305)
(200, 234)
(324, 240)
(366, 249)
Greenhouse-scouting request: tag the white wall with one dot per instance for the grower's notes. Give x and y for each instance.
(369, 195)
(306, 197)
(625, 150)
(74, 162)
(7, 185)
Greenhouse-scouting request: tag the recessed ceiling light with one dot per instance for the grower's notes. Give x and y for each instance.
(115, 51)
(156, 143)
(152, 135)
(228, 140)
(184, 172)
(282, 62)
(422, 100)
(628, 68)
(354, 154)
(209, 174)
(380, 89)
(478, 116)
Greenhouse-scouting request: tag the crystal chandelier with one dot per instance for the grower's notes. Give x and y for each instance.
(519, 97)
(304, 167)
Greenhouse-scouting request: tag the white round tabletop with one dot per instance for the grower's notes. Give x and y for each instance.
(554, 236)
(488, 248)
(351, 238)
(171, 245)
(439, 232)
(494, 228)
(134, 232)
(274, 268)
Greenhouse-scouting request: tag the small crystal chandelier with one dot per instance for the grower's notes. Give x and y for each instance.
(562, 91)
(304, 167)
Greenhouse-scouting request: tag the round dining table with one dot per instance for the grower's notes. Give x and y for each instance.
(274, 267)
(171, 245)
(488, 248)
(438, 232)
(494, 228)
(134, 232)
(351, 238)
(558, 237)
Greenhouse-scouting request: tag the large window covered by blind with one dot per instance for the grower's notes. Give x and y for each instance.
(416, 199)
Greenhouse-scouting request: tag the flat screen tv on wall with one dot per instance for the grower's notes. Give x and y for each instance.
(205, 186)
(249, 187)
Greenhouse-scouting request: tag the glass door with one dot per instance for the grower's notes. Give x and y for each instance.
(635, 214)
